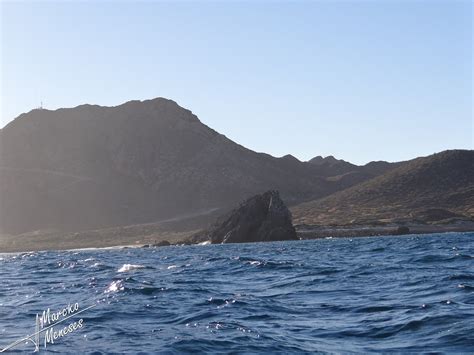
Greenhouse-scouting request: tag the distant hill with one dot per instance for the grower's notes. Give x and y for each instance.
(347, 174)
(332, 166)
(139, 162)
(428, 189)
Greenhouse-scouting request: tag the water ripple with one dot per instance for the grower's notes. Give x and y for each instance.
(379, 294)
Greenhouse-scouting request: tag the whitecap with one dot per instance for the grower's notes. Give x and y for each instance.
(130, 267)
(172, 267)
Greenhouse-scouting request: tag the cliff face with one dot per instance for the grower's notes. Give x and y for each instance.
(92, 166)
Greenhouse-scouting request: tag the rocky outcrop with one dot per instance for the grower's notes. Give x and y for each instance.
(262, 218)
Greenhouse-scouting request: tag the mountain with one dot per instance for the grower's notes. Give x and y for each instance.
(332, 166)
(428, 189)
(142, 161)
(347, 174)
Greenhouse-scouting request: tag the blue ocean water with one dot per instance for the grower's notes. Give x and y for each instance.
(377, 294)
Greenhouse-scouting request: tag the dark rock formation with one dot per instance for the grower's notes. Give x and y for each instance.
(402, 230)
(163, 243)
(262, 218)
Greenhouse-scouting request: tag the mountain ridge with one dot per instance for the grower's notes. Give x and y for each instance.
(92, 166)
(440, 184)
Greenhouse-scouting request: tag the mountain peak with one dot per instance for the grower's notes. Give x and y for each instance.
(290, 157)
(319, 160)
(156, 107)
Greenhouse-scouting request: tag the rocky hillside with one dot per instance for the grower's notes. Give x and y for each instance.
(431, 189)
(143, 161)
(347, 174)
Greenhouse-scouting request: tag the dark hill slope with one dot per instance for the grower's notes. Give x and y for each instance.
(143, 161)
(347, 174)
(427, 189)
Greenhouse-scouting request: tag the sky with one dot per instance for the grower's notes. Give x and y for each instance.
(360, 80)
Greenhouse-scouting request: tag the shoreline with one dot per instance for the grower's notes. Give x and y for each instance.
(321, 232)
(69, 241)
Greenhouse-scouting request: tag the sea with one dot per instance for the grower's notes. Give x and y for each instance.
(404, 294)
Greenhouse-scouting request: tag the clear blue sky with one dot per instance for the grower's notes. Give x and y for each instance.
(361, 80)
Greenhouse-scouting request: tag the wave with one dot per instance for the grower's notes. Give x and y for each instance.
(371, 295)
(130, 267)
